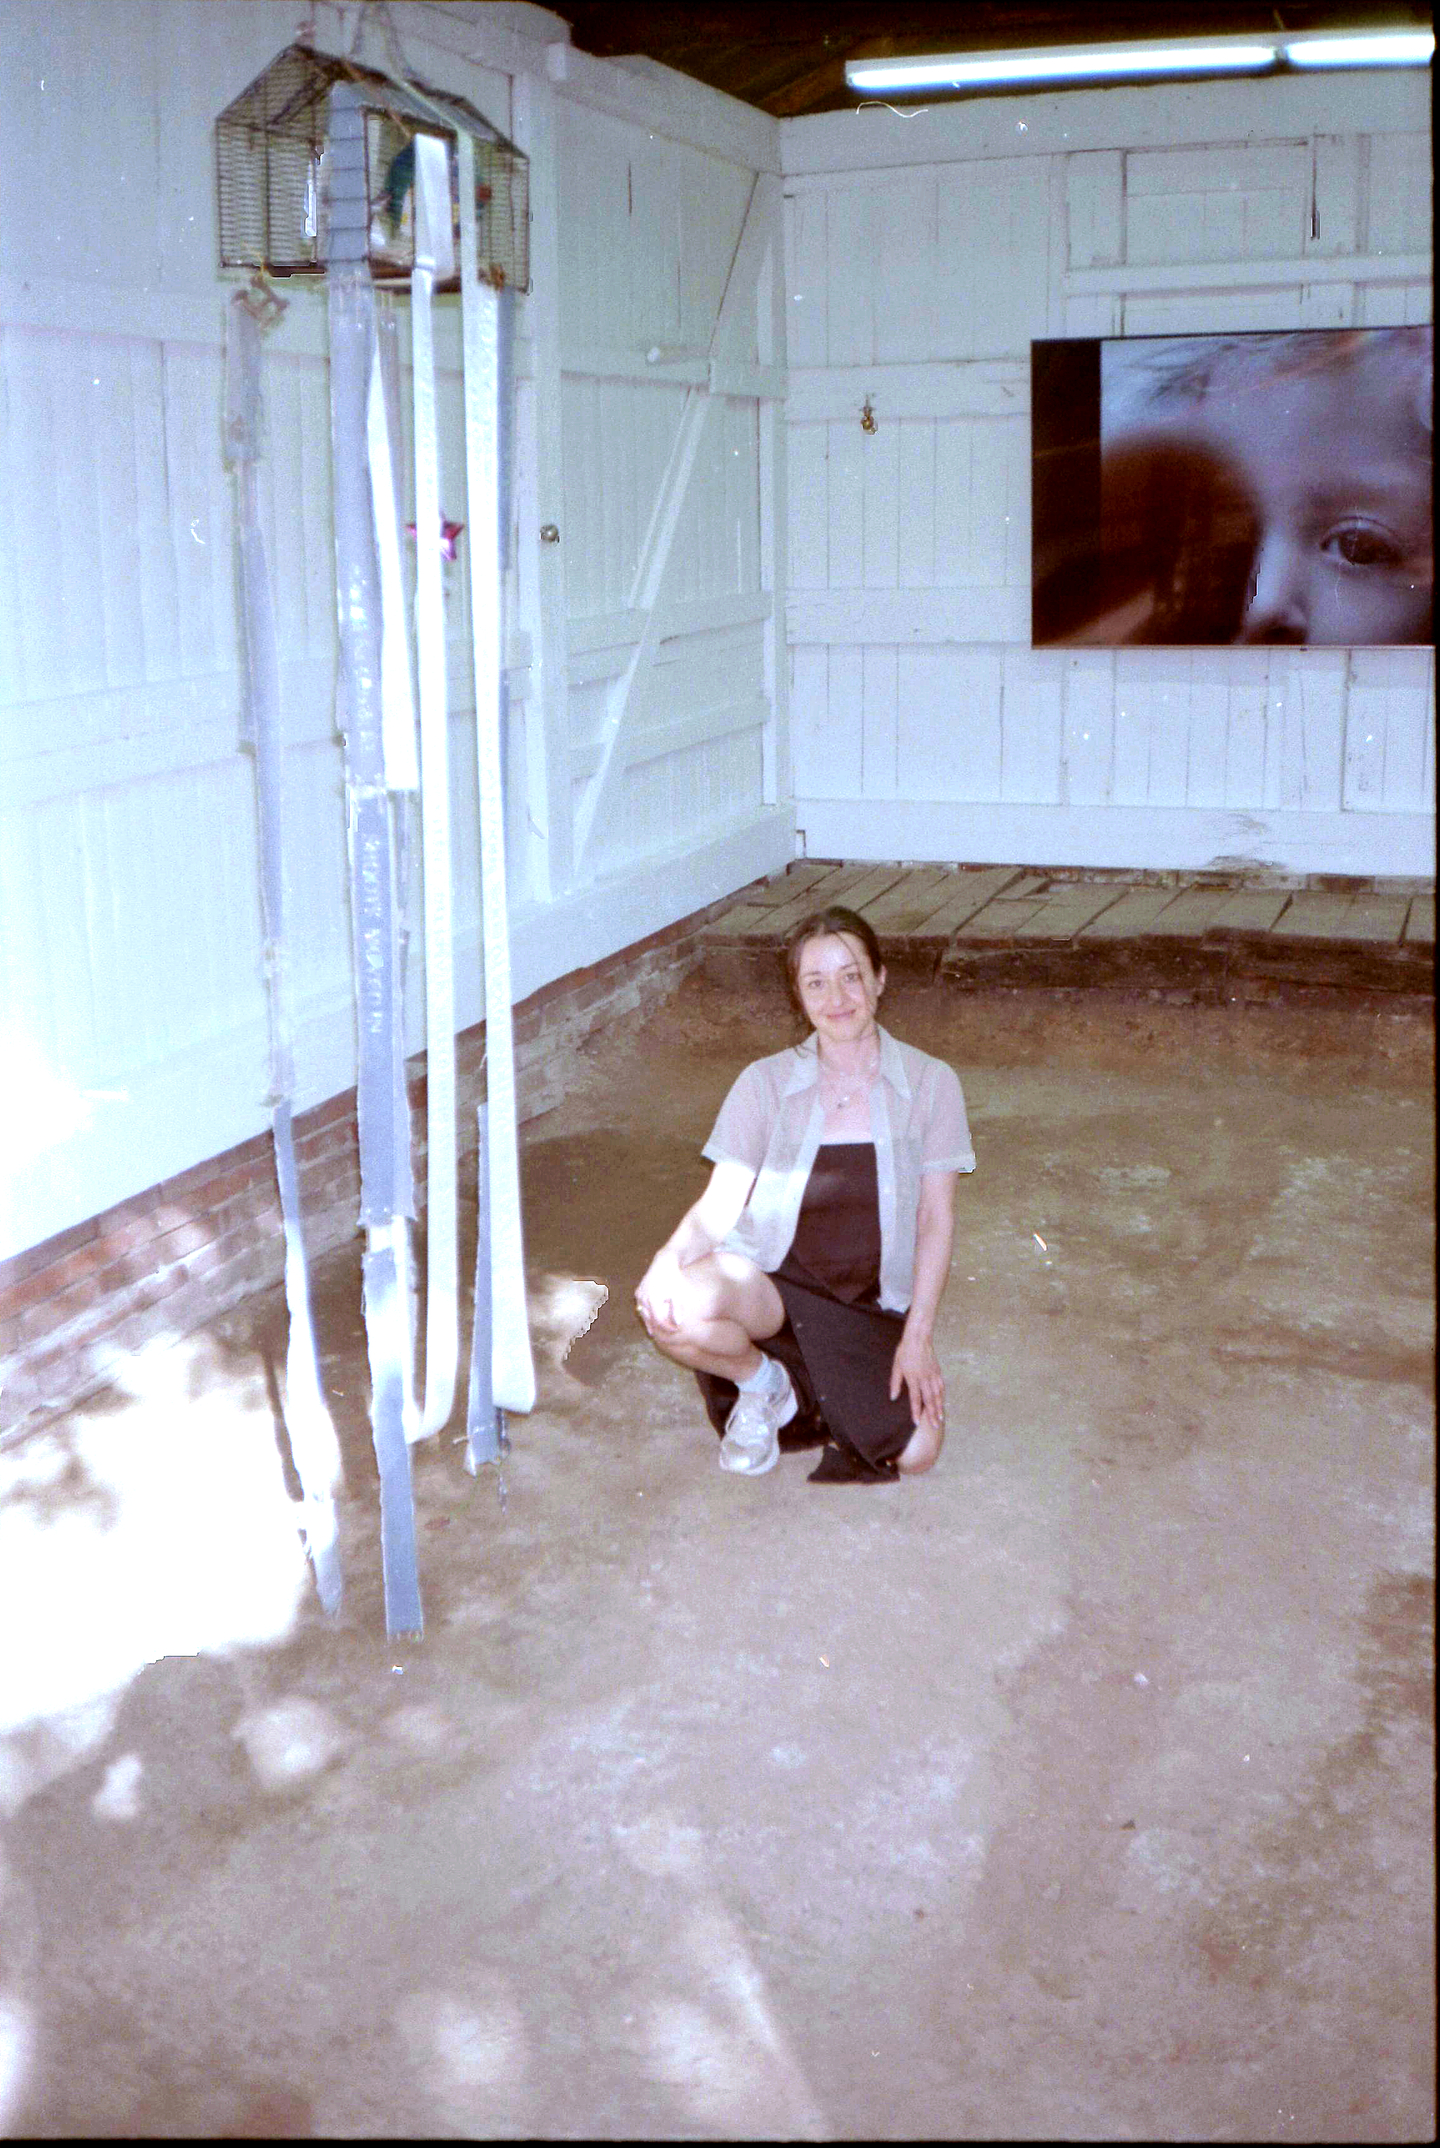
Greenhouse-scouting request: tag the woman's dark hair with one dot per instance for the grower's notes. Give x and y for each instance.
(818, 925)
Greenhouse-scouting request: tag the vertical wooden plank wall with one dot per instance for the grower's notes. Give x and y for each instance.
(649, 229)
(924, 254)
(132, 1018)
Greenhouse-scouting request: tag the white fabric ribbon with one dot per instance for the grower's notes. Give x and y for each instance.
(434, 257)
(512, 1363)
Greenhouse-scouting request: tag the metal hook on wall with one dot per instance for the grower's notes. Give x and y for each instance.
(867, 417)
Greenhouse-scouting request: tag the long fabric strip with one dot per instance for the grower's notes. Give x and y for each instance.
(434, 255)
(384, 1335)
(504, 370)
(512, 1363)
(308, 1424)
(485, 1435)
(372, 902)
(402, 775)
(402, 766)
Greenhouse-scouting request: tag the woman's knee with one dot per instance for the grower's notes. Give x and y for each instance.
(697, 1299)
(727, 1287)
(921, 1452)
(694, 1307)
(748, 1296)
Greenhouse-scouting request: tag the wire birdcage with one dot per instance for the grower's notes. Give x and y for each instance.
(272, 163)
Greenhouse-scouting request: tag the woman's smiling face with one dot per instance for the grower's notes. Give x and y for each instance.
(1343, 495)
(838, 989)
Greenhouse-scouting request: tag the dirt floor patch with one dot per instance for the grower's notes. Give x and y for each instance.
(1078, 1790)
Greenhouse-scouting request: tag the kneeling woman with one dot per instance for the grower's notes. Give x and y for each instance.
(801, 1288)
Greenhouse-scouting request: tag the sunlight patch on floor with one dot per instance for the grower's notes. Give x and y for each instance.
(16, 2038)
(728, 2060)
(162, 1527)
(471, 2052)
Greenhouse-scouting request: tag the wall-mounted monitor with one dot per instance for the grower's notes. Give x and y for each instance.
(1204, 490)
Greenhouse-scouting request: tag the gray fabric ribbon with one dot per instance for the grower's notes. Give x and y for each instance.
(381, 1106)
(308, 1424)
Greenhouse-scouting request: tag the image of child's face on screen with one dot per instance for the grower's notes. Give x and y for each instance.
(1322, 444)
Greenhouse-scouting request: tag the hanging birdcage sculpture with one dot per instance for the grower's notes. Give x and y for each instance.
(327, 169)
(273, 159)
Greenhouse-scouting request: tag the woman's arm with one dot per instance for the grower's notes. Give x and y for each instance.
(916, 1366)
(699, 1231)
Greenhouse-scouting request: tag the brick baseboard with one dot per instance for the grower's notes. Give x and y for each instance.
(162, 1263)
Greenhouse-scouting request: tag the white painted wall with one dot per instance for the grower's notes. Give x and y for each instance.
(132, 1021)
(649, 745)
(924, 253)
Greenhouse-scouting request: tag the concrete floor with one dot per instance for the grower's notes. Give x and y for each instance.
(1081, 1790)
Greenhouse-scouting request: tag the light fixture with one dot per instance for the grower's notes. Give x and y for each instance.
(1378, 48)
(1061, 63)
(1158, 56)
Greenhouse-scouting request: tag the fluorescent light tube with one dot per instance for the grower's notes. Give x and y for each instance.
(1379, 48)
(1075, 63)
(1161, 56)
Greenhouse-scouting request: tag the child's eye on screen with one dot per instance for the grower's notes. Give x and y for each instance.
(1360, 545)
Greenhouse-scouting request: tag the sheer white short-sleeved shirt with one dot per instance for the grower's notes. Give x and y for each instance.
(772, 1121)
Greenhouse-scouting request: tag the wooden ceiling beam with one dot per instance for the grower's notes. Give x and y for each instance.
(789, 59)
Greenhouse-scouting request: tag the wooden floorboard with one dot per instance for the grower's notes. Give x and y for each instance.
(972, 891)
(1310, 915)
(1249, 910)
(770, 922)
(1008, 925)
(1127, 918)
(1188, 916)
(788, 886)
(878, 881)
(1068, 909)
(1420, 924)
(1000, 918)
(1377, 919)
(904, 908)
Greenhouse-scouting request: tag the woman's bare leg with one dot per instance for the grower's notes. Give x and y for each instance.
(921, 1451)
(722, 1305)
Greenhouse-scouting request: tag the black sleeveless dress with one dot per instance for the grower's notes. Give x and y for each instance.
(838, 1343)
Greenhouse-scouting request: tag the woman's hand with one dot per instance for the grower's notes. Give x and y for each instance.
(917, 1369)
(916, 1366)
(697, 1234)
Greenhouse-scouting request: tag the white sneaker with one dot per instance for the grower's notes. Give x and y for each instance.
(751, 1444)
